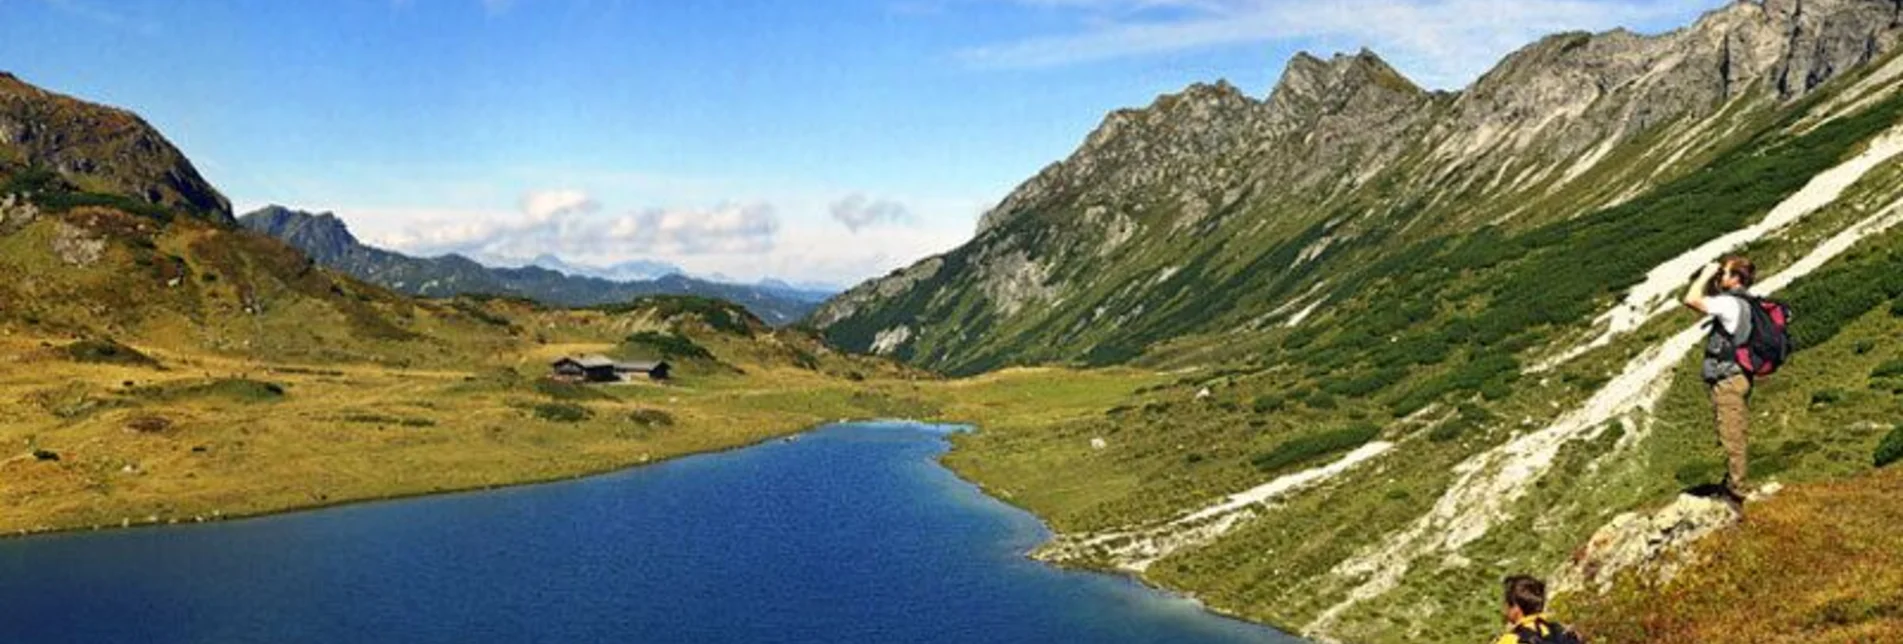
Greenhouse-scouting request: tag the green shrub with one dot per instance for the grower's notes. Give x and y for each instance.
(1698, 473)
(381, 419)
(719, 315)
(1319, 400)
(559, 390)
(237, 389)
(1471, 416)
(1864, 346)
(562, 412)
(651, 418)
(1826, 397)
(1891, 369)
(1891, 449)
(1268, 403)
(107, 351)
(1448, 431)
(1364, 385)
(666, 346)
(1307, 448)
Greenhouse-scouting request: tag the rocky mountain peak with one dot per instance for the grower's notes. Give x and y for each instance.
(321, 235)
(1312, 87)
(99, 149)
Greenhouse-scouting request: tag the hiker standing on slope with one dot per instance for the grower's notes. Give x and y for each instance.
(1720, 292)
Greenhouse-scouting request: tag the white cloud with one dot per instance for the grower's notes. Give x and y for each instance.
(1443, 43)
(570, 223)
(727, 229)
(745, 240)
(543, 205)
(859, 212)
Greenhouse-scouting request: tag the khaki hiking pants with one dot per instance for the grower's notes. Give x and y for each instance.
(1728, 399)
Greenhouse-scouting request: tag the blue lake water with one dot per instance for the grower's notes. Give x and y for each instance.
(852, 533)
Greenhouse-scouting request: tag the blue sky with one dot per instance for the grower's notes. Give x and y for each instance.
(816, 141)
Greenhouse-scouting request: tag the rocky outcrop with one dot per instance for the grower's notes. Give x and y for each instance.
(1654, 544)
(99, 149)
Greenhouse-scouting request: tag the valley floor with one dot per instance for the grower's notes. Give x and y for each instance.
(211, 437)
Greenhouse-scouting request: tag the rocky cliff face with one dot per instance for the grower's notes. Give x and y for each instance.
(1345, 160)
(98, 149)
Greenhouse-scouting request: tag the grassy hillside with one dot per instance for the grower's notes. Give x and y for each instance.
(157, 368)
(1450, 380)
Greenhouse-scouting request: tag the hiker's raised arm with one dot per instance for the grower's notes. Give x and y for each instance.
(1695, 294)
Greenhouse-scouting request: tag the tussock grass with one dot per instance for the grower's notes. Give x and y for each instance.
(1820, 562)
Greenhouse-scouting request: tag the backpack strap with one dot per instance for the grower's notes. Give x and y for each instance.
(1746, 325)
(1556, 633)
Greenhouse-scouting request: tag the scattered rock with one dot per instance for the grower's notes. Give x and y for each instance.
(45, 455)
(75, 247)
(1204, 394)
(148, 424)
(1098, 443)
(1656, 543)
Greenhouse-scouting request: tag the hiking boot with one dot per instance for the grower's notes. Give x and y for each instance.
(1732, 498)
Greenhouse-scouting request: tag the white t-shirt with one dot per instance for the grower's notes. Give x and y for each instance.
(1729, 310)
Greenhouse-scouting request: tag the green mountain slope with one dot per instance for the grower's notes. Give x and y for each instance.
(1213, 212)
(1423, 340)
(56, 143)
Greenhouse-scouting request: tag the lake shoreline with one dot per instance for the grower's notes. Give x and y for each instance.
(28, 533)
(1052, 535)
(1048, 533)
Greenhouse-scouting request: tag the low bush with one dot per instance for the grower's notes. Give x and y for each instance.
(1698, 473)
(380, 419)
(667, 346)
(1268, 403)
(1891, 449)
(149, 424)
(1319, 400)
(559, 390)
(651, 418)
(562, 412)
(1307, 448)
(1826, 397)
(242, 390)
(107, 351)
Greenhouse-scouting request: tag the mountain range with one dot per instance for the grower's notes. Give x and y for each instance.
(1425, 339)
(327, 240)
(1337, 358)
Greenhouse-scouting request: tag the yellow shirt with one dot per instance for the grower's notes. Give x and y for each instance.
(1533, 622)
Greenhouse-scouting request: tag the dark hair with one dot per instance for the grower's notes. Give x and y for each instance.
(1743, 268)
(1527, 593)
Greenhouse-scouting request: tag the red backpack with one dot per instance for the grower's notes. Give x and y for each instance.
(1767, 344)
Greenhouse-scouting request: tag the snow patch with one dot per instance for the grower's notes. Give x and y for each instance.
(1278, 487)
(1302, 315)
(889, 340)
(1134, 550)
(1655, 294)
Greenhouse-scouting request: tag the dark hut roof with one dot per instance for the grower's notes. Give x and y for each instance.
(588, 361)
